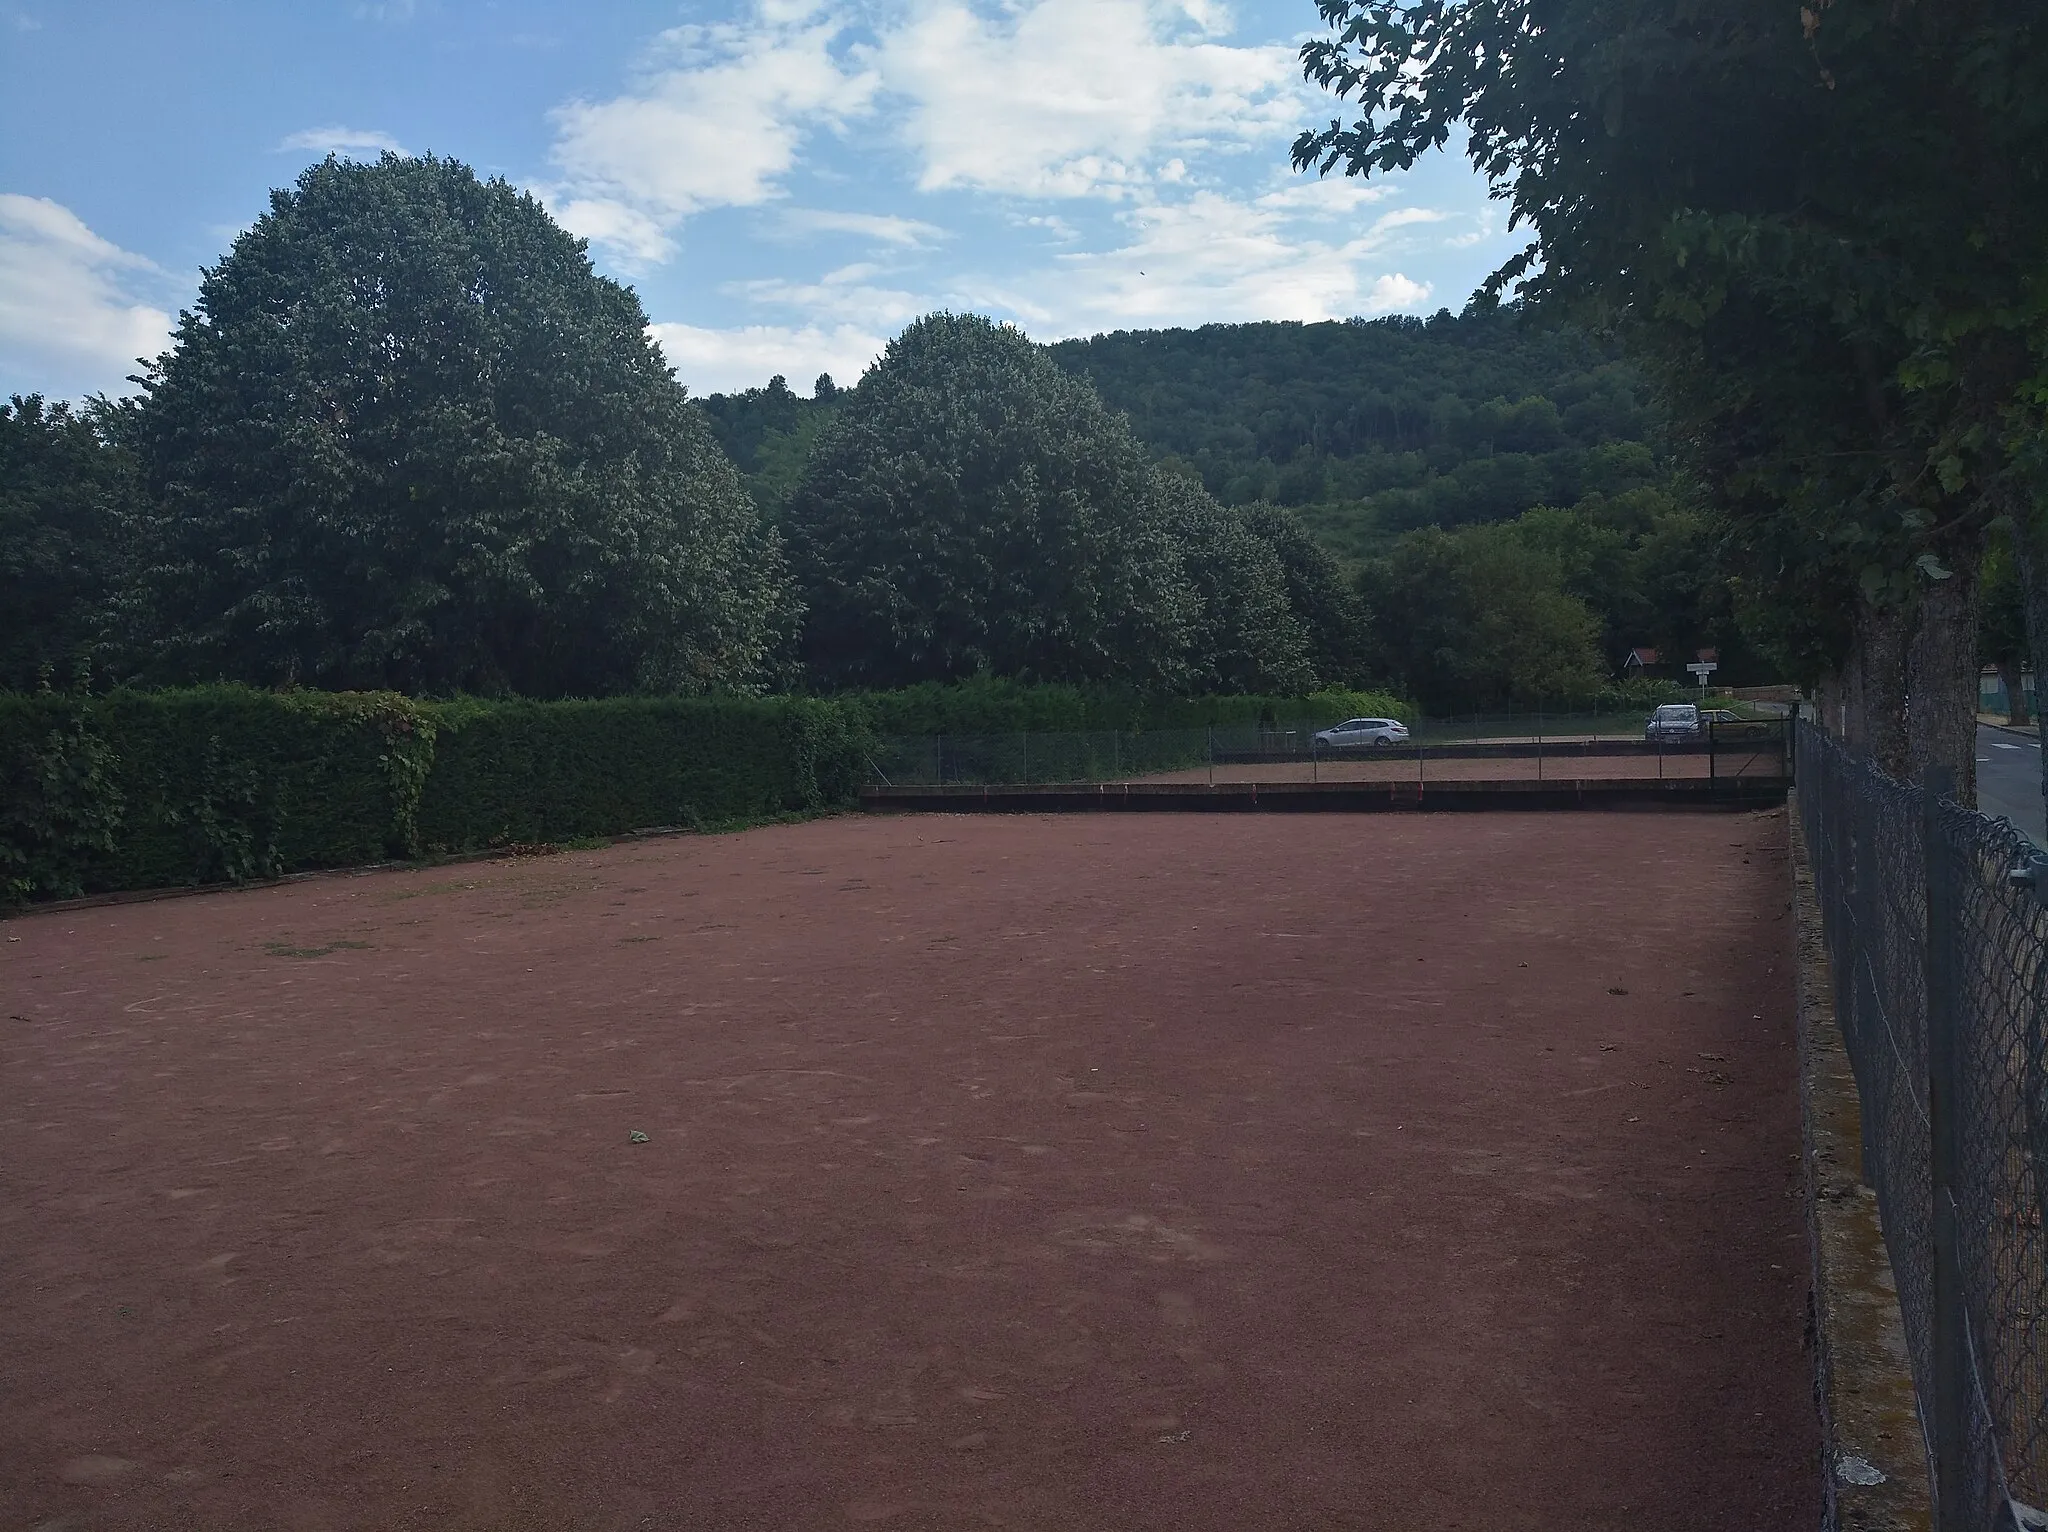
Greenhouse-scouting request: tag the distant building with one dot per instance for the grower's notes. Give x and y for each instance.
(1640, 662)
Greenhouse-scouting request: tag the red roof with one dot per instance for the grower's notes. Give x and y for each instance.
(1643, 656)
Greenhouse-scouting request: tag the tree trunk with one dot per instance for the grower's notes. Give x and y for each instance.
(1849, 696)
(1831, 702)
(1942, 674)
(1878, 708)
(2015, 684)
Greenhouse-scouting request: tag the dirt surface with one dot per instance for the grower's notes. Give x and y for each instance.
(1107, 1172)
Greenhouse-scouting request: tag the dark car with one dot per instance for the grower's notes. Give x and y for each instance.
(1673, 722)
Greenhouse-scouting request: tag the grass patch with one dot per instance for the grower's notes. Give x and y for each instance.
(286, 949)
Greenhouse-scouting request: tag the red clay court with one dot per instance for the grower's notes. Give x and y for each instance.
(1095, 1172)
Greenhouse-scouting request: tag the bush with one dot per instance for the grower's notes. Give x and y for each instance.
(553, 771)
(219, 783)
(225, 783)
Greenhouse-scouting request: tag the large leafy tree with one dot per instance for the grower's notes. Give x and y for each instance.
(1243, 634)
(407, 437)
(1319, 595)
(69, 502)
(1823, 226)
(973, 509)
(1480, 618)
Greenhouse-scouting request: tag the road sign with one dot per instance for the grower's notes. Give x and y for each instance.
(1701, 669)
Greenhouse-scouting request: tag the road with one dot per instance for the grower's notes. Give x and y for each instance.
(2009, 778)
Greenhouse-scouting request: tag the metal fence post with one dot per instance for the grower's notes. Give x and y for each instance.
(1948, 1420)
(1025, 746)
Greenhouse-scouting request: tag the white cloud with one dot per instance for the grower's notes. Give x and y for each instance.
(340, 140)
(722, 361)
(716, 124)
(1326, 198)
(1214, 258)
(1402, 217)
(628, 233)
(1062, 98)
(71, 322)
(1393, 292)
(845, 296)
(881, 228)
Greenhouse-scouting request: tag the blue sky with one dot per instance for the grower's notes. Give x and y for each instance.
(786, 183)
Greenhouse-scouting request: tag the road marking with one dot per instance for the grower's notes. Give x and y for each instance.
(1999, 744)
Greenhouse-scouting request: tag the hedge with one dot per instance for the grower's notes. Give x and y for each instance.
(218, 784)
(555, 771)
(148, 790)
(215, 784)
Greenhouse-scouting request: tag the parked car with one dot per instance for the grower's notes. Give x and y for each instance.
(1674, 721)
(1363, 731)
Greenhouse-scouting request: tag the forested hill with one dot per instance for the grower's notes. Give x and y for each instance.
(1366, 427)
(1373, 427)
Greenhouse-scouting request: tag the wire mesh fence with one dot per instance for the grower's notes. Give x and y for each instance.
(1937, 925)
(1510, 746)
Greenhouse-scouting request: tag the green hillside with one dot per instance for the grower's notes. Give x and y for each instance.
(1370, 428)
(1367, 428)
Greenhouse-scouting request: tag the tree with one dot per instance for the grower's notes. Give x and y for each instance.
(972, 509)
(1242, 634)
(1476, 619)
(408, 438)
(1839, 309)
(1368, 428)
(69, 504)
(1322, 600)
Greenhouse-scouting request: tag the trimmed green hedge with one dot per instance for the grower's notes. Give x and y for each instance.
(215, 784)
(554, 771)
(222, 784)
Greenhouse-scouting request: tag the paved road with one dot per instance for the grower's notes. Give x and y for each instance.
(2009, 778)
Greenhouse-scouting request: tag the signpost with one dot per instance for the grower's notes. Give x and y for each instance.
(1702, 669)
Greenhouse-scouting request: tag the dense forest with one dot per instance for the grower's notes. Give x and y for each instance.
(1500, 492)
(1365, 428)
(1374, 427)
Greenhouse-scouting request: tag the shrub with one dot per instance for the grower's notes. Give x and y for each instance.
(226, 783)
(219, 783)
(553, 771)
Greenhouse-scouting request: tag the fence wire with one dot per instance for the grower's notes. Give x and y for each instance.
(1539, 746)
(1883, 858)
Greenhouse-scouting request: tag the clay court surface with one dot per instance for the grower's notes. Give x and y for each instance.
(1098, 1172)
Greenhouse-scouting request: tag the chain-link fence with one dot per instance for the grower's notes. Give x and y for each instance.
(1937, 926)
(1536, 746)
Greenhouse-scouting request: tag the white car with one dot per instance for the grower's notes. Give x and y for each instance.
(1363, 731)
